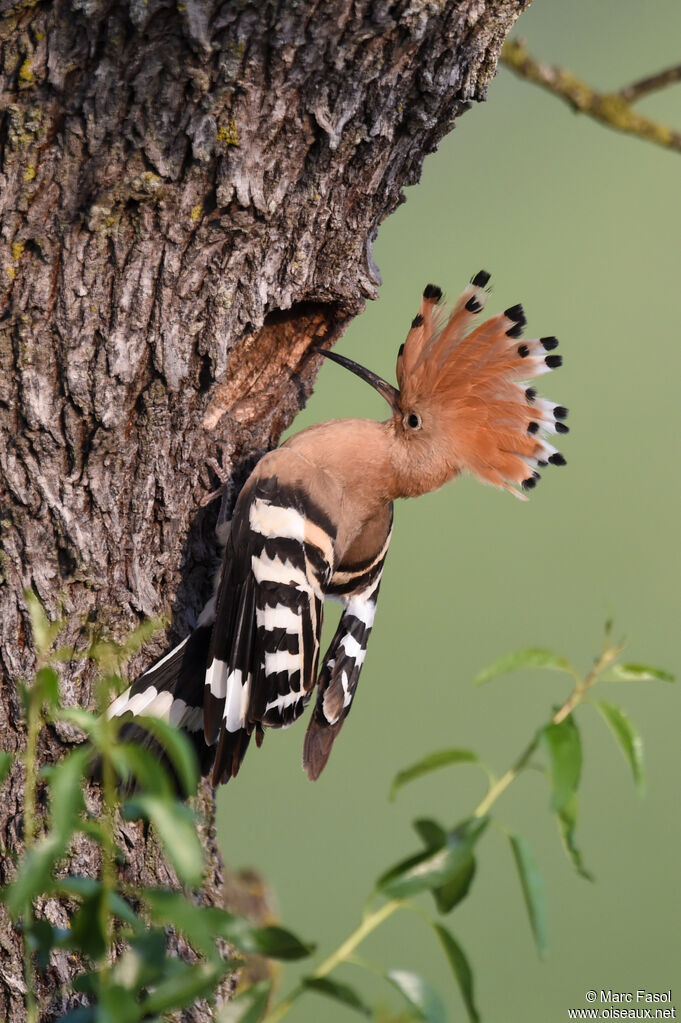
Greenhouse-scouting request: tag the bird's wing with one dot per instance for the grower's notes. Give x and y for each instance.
(357, 586)
(170, 689)
(264, 649)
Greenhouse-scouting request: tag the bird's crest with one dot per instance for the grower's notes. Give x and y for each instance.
(472, 387)
(476, 380)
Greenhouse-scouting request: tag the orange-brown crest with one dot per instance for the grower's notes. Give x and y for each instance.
(467, 384)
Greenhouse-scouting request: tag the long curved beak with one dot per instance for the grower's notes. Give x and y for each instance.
(386, 390)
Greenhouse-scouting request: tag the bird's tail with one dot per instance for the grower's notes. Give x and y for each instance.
(171, 689)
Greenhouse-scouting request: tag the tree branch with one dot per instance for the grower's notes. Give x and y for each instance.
(611, 108)
(632, 93)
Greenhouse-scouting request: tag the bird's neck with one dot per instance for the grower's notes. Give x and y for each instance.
(355, 452)
(417, 470)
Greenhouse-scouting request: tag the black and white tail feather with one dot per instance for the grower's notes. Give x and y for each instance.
(251, 663)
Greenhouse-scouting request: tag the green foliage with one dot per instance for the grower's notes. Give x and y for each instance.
(521, 659)
(433, 762)
(176, 827)
(460, 968)
(629, 740)
(567, 822)
(446, 865)
(563, 748)
(533, 889)
(342, 993)
(144, 982)
(6, 760)
(419, 995)
(441, 865)
(249, 1006)
(639, 673)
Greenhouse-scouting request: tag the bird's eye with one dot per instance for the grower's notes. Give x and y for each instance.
(413, 421)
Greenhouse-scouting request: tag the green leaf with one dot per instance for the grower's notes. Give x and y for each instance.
(433, 835)
(419, 994)
(88, 929)
(456, 890)
(143, 961)
(115, 1004)
(66, 792)
(567, 822)
(339, 992)
(433, 868)
(87, 983)
(89, 888)
(120, 908)
(178, 749)
(74, 884)
(95, 829)
(33, 878)
(533, 889)
(433, 762)
(564, 748)
(47, 684)
(130, 759)
(201, 925)
(521, 659)
(629, 740)
(44, 631)
(83, 1014)
(5, 765)
(247, 1007)
(89, 723)
(68, 654)
(275, 942)
(460, 968)
(188, 983)
(640, 673)
(42, 937)
(66, 802)
(176, 827)
(140, 635)
(108, 653)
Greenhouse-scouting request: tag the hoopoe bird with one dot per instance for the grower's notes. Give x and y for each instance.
(314, 521)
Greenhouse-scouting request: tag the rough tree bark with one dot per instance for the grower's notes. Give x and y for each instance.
(189, 193)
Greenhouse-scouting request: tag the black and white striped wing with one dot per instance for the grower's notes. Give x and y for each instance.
(265, 645)
(171, 689)
(358, 588)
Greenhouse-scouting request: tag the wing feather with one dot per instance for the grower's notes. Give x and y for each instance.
(265, 644)
(343, 660)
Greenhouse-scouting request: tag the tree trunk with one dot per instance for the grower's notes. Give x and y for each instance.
(189, 193)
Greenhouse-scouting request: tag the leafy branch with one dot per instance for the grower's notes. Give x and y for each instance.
(446, 866)
(120, 930)
(614, 109)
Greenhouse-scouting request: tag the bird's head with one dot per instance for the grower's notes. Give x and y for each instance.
(463, 401)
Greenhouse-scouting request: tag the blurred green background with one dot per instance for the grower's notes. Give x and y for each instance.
(584, 227)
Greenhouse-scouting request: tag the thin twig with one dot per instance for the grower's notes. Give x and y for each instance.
(610, 108)
(342, 954)
(636, 90)
(607, 657)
